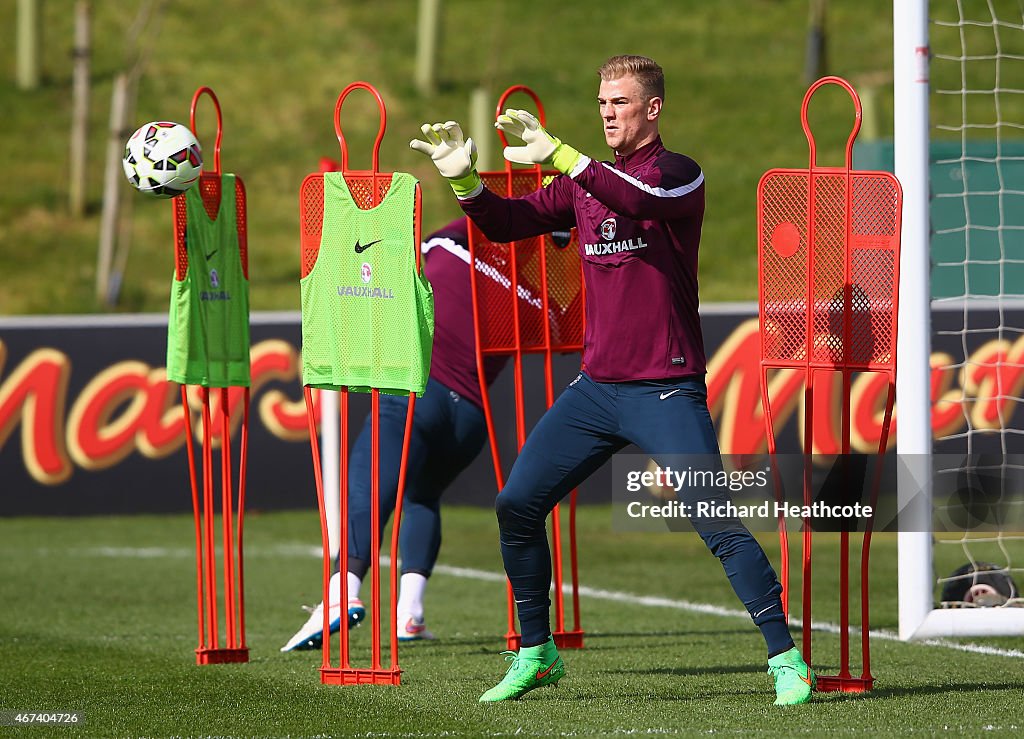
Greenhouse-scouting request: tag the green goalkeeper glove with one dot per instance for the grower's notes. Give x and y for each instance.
(541, 147)
(454, 157)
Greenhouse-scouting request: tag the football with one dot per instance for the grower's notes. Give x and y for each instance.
(162, 159)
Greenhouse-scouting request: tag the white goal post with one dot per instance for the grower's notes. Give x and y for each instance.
(918, 616)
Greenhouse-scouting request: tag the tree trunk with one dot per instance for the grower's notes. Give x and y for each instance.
(112, 185)
(30, 37)
(80, 109)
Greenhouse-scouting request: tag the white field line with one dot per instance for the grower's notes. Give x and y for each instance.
(650, 601)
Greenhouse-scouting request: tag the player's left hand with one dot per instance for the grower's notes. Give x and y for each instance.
(541, 147)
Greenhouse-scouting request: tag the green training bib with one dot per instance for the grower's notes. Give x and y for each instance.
(208, 322)
(367, 313)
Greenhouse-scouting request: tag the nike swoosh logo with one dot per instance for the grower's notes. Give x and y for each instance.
(670, 392)
(414, 628)
(806, 679)
(544, 673)
(210, 255)
(763, 610)
(360, 248)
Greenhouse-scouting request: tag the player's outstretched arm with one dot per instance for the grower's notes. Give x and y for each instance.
(540, 147)
(453, 155)
(673, 191)
(501, 219)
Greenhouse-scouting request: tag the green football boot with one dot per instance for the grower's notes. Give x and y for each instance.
(532, 667)
(794, 680)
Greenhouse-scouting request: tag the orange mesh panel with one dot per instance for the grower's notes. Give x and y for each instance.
(311, 208)
(361, 187)
(872, 244)
(871, 340)
(784, 272)
(494, 279)
(565, 294)
(311, 217)
(180, 221)
(875, 248)
(829, 256)
(240, 220)
(209, 189)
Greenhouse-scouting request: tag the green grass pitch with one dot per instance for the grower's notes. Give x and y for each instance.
(99, 616)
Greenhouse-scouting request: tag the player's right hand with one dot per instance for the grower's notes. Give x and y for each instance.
(454, 156)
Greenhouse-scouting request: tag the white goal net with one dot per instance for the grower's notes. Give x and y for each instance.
(975, 134)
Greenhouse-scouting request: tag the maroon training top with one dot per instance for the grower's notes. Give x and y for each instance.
(453, 360)
(639, 223)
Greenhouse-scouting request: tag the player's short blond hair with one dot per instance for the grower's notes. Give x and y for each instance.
(646, 71)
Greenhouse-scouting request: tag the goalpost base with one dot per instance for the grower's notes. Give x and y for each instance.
(946, 623)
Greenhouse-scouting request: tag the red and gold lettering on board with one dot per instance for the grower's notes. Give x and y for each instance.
(285, 417)
(992, 380)
(105, 417)
(34, 394)
(734, 392)
(868, 394)
(162, 426)
(947, 400)
(129, 406)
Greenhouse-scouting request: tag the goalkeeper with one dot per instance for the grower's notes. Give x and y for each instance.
(639, 222)
(448, 433)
